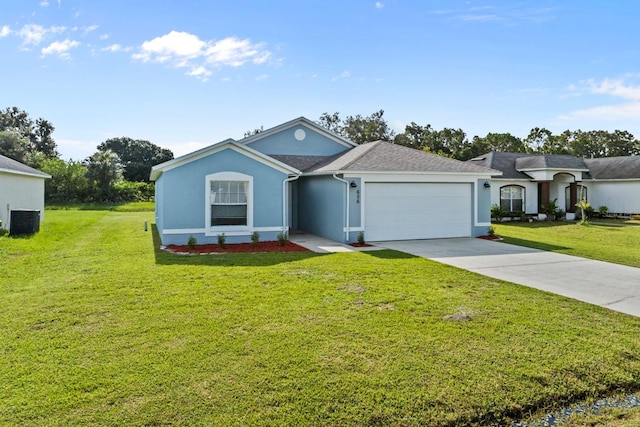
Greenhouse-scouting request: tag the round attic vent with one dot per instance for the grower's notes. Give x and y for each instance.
(300, 134)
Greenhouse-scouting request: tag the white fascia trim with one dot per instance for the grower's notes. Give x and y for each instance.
(552, 169)
(157, 170)
(34, 175)
(380, 174)
(605, 180)
(350, 229)
(233, 232)
(483, 224)
(300, 121)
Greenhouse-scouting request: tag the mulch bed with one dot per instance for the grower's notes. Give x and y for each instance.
(490, 237)
(360, 245)
(271, 246)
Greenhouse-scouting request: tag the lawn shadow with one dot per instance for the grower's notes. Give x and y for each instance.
(534, 245)
(389, 254)
(261, 259)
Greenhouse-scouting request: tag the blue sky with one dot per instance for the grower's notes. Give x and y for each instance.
(186, 74)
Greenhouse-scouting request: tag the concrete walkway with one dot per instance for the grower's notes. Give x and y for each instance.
(613, 286)
(321, 245)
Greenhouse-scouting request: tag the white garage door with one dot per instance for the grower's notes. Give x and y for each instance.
(404, 211)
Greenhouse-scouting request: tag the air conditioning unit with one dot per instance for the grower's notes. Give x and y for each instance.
(24, 222)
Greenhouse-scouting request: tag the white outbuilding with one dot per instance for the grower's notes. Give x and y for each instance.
(21, 195)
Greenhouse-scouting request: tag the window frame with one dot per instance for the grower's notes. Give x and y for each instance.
(511, 199)
(228, 176)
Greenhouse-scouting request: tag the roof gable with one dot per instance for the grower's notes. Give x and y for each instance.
(382, 156)
(156, 171)
(8, 165)
(513, 165)
(298, 137)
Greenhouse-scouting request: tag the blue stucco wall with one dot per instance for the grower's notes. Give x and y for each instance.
(484, 201)
(484, 208)
(321, 206)
(159, 203)
(355, 204)
(181, 196)
(314, 144)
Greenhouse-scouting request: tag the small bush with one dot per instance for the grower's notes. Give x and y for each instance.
(222, 241)
(192, 242)
(361, 238)
(283, 238)
(635, 217)
(491, 231)
(603, 211)
(3, 232)
(255, 238)
(497, 212)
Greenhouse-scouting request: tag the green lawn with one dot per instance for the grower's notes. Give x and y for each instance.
(98, 327)
(612, 243)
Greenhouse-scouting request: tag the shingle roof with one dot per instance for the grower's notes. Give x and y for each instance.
(512, 163)
(299, 162)
(13, 166)
(381, 156)
(550, 161)
(614, 167)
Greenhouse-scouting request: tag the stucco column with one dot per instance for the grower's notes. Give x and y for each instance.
(545, 189)
(573, 197)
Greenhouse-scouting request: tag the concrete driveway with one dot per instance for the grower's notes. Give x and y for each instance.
(609, 285)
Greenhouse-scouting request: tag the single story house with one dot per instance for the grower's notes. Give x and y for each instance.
(21, 189)
(300, 176)
(530, 181)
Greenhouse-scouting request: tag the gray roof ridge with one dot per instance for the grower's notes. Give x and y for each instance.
(369, 146)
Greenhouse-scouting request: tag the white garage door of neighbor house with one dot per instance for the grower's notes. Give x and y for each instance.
(405, 211)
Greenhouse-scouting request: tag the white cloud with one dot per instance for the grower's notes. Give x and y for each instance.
(379, 5)
(200, 73)
(44, 3)
(345, 74)
(104, 37)
(5, 31)
(181, 49)
(89, 29)
(622, 88)
(60, 48)
(116, 47)
(33, 34)
(262, 77)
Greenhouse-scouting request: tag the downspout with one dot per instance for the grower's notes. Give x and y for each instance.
(284, 201)
(346, 229)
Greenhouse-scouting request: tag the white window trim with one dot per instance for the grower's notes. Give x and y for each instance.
(227, 229)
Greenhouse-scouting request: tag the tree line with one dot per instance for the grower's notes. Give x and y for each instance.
(454, 143)
(118, 171)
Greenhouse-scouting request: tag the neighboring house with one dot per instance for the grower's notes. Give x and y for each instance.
(21, 189)
(300, 176)
(530, 181)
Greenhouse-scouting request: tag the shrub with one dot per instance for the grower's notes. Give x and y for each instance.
(255, 238)
(192, 242)
(602, 211)
(283, 238)
(551, 208)
(497, 212)
(491, 231)
(222, 241)
(127, 191)
(361, 238)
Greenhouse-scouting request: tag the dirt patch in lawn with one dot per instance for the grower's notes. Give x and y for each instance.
(271, 246)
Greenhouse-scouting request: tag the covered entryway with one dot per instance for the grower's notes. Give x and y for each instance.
(407, 211)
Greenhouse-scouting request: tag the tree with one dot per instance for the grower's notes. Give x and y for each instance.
(357, 128)
(504, 142)
(136, 156)
(39, 134)
(68, 181)
(103, 170)
(253, 132)
(14, 145)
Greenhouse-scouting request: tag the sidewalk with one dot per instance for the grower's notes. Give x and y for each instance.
(321, 245)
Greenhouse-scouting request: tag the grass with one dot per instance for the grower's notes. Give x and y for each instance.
(98, 327)
(602, 242)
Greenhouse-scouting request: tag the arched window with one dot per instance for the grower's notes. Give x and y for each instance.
(512, 198)
(581, 194)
